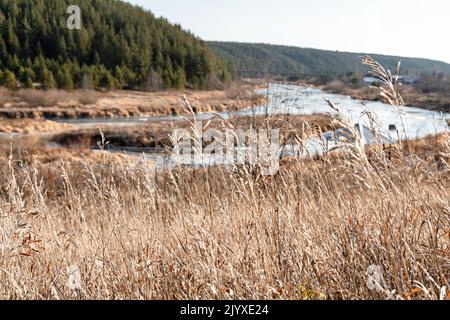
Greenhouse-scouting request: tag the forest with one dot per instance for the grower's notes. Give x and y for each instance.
(256, 60)
(119, 46)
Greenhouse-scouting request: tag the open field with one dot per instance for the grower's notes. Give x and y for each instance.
(32, 126)
(79, 224)
(107, 231)
(35, 104)
(141, 162)
(360, 222)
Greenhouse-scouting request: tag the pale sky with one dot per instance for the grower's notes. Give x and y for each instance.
(409, 28)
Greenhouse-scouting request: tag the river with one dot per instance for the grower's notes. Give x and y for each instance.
(302, 100)
(394, 123)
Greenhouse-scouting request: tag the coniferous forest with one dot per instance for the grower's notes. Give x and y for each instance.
(118, 46)
(260, 59)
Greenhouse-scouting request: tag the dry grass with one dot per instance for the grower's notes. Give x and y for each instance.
(92, 104)
(87, 97)
(105, 229)
(51, 98)
(38, 98)
(311, 231)
(31, 126)
(157, 134)
(5, 96)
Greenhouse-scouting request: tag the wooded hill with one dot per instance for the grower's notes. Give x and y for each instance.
(119, 45)
(274, 59)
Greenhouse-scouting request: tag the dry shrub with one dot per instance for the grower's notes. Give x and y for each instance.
(39, 98)
(51, 98)
(5, 96)
(318, 229)
(235, 91)
(87, 97)
(212, 82)
(337, 86)
(313, 231)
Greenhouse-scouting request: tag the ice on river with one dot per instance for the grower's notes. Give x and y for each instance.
(410, 123)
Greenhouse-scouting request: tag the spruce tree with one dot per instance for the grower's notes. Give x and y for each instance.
(48, 80)
(123, 39)
(8, 80)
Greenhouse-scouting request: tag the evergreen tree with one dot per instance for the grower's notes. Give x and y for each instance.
(48, 80)
(119, 44)
(28, 83)
(180, 79)
(106, 80)
(8, 79)
(3, 50)
(118, 75)
(27, 77)
(64, 78)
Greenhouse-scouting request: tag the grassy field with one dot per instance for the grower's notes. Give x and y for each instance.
(357, 223)
(103, 227)
(37, 104)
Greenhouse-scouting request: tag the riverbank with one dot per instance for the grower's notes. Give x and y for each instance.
(156, 135)
(54, 104)
(411, 97)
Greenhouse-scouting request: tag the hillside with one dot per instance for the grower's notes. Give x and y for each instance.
(118, 45)
(264, 58)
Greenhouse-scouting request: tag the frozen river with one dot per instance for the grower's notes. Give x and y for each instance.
(394, 123)
(302, 100)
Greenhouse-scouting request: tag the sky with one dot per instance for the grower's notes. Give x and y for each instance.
(410, 28)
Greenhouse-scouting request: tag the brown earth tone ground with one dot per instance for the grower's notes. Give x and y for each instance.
(33, 104)
(32, 126)
(312, 231)
(75, 145)
(151, 135)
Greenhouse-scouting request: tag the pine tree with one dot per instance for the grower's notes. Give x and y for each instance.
(48, 80)
(180, 79)
(28, 83)
(8, 79)
(64, 78)
(118, 75)
(13, 63)
(3, 50)
(62, 48)
(27, 77)
(125, 40)
(106, 80)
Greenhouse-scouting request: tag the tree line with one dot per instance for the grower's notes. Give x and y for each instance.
(276, 59)
(118, 46)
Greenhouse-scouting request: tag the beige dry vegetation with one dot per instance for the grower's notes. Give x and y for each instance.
(157, 134)
(50, 104)
(311, 231)
(112, 228)
(32, 126)
(29, 98)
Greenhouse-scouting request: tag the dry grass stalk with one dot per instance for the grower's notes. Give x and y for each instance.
(313, 231)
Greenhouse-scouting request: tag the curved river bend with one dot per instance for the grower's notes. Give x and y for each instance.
(301, 100)
(394, 123)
